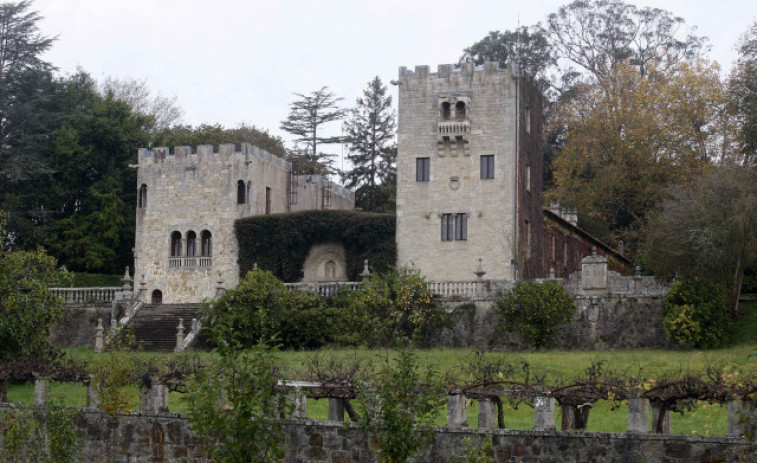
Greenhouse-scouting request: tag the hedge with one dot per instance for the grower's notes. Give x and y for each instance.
(280, 242)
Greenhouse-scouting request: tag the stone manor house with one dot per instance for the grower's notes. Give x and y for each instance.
(469, 194)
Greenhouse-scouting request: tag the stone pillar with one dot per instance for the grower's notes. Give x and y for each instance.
(736, 410)
(336, 409)
(41, 391)
(154, 398)
(544, 414)
(99, 336)
(638, 415)
(180, 336)
(300, 402)
(594, 271)
(666, 420)
(92, 400)
(487, 414)
(457, 416)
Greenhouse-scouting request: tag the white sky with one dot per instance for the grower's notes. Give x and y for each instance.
(234, 61)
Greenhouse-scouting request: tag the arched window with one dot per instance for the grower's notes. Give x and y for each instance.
(191, 243)
(142, 200)
(207, 244)
(446, 111)
(175, 244)
(241, 192)
(157, 297)
(460, 110)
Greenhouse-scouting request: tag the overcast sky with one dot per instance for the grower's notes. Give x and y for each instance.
(239, 61)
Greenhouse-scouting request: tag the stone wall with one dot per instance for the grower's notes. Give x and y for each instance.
(78, 325)
(167, 437)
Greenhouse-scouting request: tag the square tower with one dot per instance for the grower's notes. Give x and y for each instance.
(469, 173)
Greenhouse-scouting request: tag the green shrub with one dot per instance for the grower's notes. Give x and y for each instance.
(261, 307)
(535, 311)
(696, 313)
(394, 304)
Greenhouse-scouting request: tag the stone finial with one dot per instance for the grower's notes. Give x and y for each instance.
(99, 336)
(552, 273)
(127, 280)
(637, 271)
(365, 274)
(480, 270)
(180, 336)
(593, 251)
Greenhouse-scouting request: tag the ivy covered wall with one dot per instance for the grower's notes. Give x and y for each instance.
(280, 242)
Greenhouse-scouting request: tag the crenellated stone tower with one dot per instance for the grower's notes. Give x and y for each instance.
(469, 172)
(185, 245)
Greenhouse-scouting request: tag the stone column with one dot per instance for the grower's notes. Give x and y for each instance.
(92, 400)
(300, 402)
(154, 398)
(41, 391)
(99, 336)
(487, 414)
(457, 416)
(180, 336)
(666, 420)
(544, 414)
(336, 409)
(736, 410)
(638, 415)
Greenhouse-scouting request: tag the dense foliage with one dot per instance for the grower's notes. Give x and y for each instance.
(398, 411)
(242, 428)
(695, 313)
(535, 311)
(280, 242)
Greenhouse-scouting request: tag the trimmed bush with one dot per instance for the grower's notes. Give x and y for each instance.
(696, 313)
(535, 311)
(280, 242)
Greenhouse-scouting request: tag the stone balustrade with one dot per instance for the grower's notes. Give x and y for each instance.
(189, 263)
(88, 295)
(324, 289)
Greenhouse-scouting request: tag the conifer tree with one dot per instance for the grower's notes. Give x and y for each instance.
(307, 115)
(370, 131)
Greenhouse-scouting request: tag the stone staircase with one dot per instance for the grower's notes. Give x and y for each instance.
(155, 325)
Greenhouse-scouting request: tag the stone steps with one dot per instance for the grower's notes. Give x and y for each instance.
(155, 325)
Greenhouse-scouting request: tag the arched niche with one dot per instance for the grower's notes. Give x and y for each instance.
(325, 262)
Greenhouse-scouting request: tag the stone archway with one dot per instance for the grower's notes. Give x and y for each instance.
(325, 262)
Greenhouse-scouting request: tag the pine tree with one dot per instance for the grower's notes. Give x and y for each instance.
(370, 131)
(307, 115)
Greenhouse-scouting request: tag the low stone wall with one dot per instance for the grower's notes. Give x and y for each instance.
(167, 437)
(78, 325)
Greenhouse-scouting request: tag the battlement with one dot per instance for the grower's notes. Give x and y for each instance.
(447, 70)
(306, 180)
(164, 154)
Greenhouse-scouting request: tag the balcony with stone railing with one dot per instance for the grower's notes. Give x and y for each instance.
(88, 295)
(190, 263)
(452, 128)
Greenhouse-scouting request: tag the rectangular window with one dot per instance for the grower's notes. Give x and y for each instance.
(528, 178)
(267, 200)
(422, 169)
(487, 166)
(447, 227)
(528, 239)
(461, 227)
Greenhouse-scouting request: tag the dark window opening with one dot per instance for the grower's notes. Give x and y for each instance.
(267, 200)
(460, 112)
(487, 167)
(446, 111)
(241, 192)
(191, 244)
(157, 297)
(461, 227)
(422, 169)
(175, 244)
(142, 200)
(447, 227)
(206, 248)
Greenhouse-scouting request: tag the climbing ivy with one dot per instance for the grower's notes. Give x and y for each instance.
(280, 243)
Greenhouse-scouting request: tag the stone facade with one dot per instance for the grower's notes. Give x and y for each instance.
(187, 204)
(469, 172)
(167, 437)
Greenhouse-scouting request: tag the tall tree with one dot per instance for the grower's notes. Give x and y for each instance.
(742, 87)
(165, 111)
(370, 138)
(307, 116)
(596, 35)
(529, 47)
(706, 229)
(630, 136)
